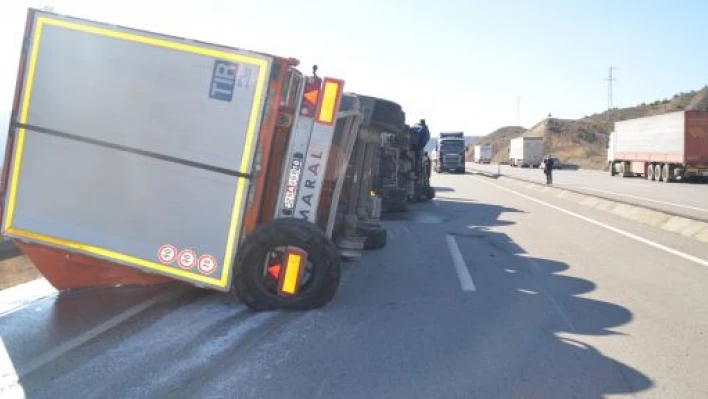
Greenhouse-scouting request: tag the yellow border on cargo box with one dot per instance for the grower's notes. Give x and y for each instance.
(221, 282)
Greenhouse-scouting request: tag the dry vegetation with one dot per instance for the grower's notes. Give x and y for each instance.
(584, 141)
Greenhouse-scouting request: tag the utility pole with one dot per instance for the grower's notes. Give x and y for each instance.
(609, 80)
(518, 111)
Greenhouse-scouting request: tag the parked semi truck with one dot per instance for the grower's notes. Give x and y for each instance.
(526, 152)
(449, 153)
(139, 158)
(664, 148)
(483, 153)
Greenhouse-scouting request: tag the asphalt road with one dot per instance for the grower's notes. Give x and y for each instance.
(685, 199)
(487, 292)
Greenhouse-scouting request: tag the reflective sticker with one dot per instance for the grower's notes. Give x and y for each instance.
(186, 259)
(223, 80)
(295, 260)
(167, 254)
(206, 264)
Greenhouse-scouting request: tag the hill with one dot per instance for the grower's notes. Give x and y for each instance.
(499, 139)
(579, 142)
(696, 100)
(584, 141)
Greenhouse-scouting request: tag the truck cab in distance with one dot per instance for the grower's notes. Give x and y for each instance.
(449, 153)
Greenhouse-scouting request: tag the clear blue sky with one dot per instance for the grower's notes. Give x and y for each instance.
(459, 64)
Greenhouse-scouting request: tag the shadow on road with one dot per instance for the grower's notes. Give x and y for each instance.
(444, 189)
(489, 175)
(540, 348)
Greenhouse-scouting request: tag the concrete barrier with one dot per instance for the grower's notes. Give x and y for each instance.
(685, 226)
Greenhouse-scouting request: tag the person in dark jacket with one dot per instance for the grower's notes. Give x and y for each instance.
(548, 169)
(422, 134)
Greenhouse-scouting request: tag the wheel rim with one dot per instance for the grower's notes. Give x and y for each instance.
(657, 173)
(650, 172)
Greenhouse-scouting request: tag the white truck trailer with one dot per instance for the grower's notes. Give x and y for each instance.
(526, 152)
(483, 153)
(664, 147)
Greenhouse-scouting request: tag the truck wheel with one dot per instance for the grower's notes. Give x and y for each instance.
(657, 172)
(385, 114)
(375, 235)
(613, 172)
(666, 173)
(623, 172)
(650, 172)
(259, 259)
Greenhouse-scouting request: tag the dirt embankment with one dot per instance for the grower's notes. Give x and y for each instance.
(583, 142)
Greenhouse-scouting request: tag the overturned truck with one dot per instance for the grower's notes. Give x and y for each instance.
(402, 169)
(139, 158)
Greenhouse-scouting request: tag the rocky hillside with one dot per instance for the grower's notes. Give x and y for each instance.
(584, 141)
(696, 100)
(499, 139)
(579, 142)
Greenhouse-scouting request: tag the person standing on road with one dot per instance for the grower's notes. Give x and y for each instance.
(548, 169)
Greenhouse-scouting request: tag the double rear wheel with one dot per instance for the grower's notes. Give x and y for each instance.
(660, 172)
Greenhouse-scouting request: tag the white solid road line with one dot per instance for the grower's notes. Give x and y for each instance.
(624, 233)
(55, 353)
(463, 274)
(644, 199)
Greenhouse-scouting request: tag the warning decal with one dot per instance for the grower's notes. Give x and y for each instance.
(166, 254)
(206, 264)
(187, 259)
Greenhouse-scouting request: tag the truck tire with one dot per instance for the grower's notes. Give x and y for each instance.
(381, 113)
(623, 170)
(666, 173)
(612, 170)
(657, 172)
(375, 235)
(650, 172)
(251, 282)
